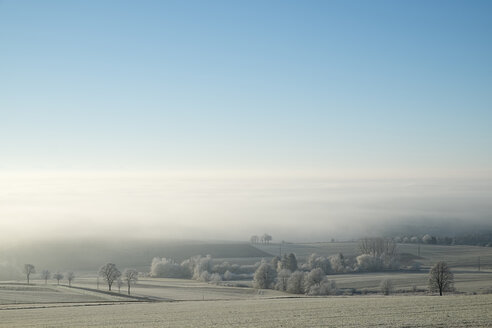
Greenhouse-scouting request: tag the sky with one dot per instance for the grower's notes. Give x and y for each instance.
(244, 92)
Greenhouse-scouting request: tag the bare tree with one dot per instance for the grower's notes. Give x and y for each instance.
(58, 276)
(45, 275)
(254, 239)
(386, 286)
(377, 247)
(130, 276)
(110, 273)
(70, 278)
(441, 279)
(119, 283)
(28, 269)
(266, 238)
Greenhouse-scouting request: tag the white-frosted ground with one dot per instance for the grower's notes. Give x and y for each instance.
(360, 311)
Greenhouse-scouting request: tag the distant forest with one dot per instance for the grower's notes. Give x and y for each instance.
(472, 239)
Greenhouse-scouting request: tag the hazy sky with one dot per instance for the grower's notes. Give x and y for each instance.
(345, 89)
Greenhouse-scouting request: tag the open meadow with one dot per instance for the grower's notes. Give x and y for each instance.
(360, 311)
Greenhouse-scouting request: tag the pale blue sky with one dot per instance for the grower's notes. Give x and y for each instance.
(264, 85)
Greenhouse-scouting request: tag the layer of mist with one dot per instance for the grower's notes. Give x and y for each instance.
(124, 206)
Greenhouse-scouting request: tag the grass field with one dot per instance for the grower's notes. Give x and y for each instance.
(360, 311)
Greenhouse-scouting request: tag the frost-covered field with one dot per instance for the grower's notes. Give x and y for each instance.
(191, 290)
(18, 293)
(360, 311)
(465, 281)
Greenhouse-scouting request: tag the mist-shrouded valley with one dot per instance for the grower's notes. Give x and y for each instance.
(245, 163)
(242, 239)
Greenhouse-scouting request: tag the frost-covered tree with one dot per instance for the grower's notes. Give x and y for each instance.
(202, 264)
(337, 263)
(441, 279)
(58, 276)
(282, 278)
(264, 276)
(215, 278)
(314, 278)
(110, 273)
(70, 278)
(28, 270)
(45, 275)
(315, 261)
(167, 268)
(325, 287)
(428, 239)
(295, 283)
(369, 263)
(204, 276)
(276, 263)
(228, 275)
(131, 277)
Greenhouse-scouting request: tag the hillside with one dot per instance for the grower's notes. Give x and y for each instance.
(87, 256)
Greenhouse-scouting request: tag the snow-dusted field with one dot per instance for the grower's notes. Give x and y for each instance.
(359, 311)
(19, 293)
(165, 289)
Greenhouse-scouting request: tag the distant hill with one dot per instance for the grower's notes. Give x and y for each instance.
(90, 255)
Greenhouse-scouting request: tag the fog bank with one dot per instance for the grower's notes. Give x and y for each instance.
(231, 207)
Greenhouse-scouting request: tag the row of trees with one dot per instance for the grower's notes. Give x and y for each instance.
(263, 239)
(202, 268)
(46, 275)
(109, 272)
(313, 282)
(475, 239)
(425, 239)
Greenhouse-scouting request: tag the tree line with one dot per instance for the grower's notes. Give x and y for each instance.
(109, 272)
(46, 275)
(263, 239)
(472, 239)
